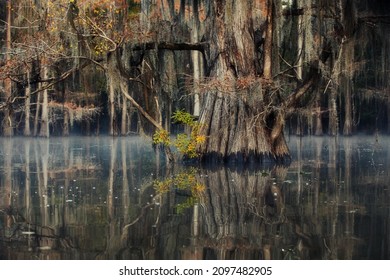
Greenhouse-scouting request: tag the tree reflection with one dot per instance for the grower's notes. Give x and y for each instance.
(93, 198)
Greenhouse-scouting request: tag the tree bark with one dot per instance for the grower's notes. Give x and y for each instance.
(233, 118)
(124, 117)
(111, 79)
(318, 131)
(27, 130)
(65, 128)
(44, 129)
(267, 72)
(8, 129)
(347, 129)
(197, 65)
(346, 85)
(333, 126)
(37, 111)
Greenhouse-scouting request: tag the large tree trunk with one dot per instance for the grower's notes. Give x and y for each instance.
(233, 114)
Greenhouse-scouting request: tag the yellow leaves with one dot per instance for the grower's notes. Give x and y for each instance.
(185, 181)
(163, 186)
(198, 188)
(200, 139)
(161, 137)
(186, 144)
(188, 185)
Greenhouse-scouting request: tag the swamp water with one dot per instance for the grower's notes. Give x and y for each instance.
(113, 198)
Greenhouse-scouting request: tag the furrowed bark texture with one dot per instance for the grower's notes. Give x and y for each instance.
(233, 115)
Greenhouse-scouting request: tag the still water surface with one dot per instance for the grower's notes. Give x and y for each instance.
(114, 198)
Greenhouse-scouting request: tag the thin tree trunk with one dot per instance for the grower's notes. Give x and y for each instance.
(111, 102)
(300, 46)
(196, 64)
(8, 114)
(348, 69)
(37, 111)
(27, 129)
(124, 117)
(318, 131)
(347, 129)
(267, 72)
(44, 130)
(333, 116)
(65, 128)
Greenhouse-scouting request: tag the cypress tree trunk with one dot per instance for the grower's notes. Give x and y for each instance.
(233, 115)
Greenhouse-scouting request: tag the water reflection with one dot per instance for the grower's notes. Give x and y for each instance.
(113, 198)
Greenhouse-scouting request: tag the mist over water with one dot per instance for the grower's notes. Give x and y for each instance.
(114, 198)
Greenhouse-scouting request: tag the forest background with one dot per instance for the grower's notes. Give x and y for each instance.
(248, 72)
